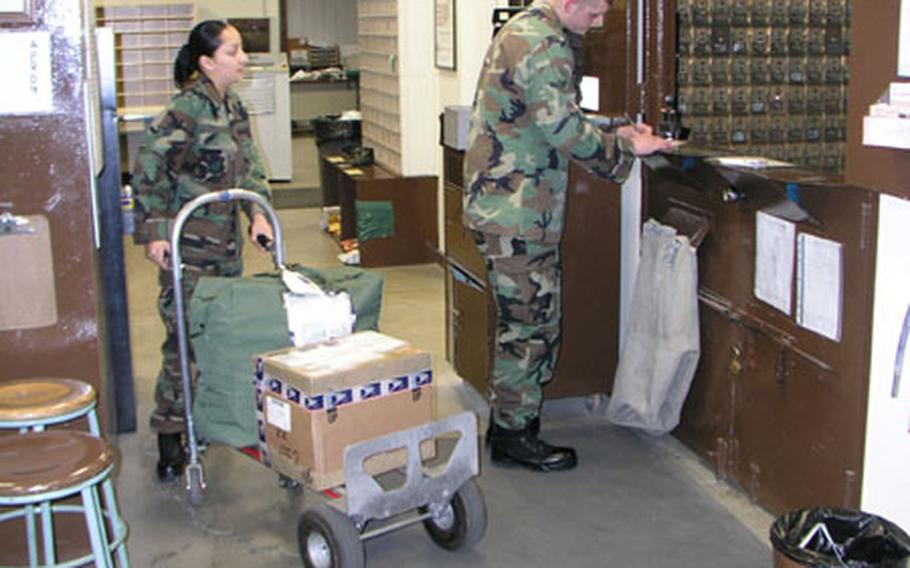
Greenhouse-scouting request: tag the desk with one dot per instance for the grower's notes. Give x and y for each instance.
(413, 199)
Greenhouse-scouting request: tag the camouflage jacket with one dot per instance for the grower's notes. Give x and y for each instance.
(525, 127)
(199, 144)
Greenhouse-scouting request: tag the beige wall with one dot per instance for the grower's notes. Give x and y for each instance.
(426, 90)
(441, 88)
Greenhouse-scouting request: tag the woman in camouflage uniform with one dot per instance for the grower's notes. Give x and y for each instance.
(201, 142)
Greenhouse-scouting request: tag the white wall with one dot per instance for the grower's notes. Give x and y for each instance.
(426, 90)
(417, 87)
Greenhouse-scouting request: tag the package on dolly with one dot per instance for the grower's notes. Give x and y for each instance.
(313, 402)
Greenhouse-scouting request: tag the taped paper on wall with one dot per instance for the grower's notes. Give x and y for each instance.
(774, 251)
(820, 285)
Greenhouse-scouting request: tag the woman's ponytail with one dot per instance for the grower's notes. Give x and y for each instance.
(184, 65)
(204, 39)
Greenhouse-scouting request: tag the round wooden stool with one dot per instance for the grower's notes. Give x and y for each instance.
(39, 468)
(29, 405)
(32, 404)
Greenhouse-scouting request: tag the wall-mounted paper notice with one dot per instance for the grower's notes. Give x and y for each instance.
(26, 70)
(774, 244)
(819, 292)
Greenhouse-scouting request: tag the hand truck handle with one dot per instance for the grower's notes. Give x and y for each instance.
(177, 273)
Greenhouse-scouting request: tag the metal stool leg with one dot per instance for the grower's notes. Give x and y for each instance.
(94, 521)
(110, 501)
(118, 527)
(47, 525)
(92, 417)
(31, 536)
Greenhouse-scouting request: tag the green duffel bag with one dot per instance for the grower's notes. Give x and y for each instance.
(233, 319)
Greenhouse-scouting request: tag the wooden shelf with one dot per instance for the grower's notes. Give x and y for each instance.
(147, 39)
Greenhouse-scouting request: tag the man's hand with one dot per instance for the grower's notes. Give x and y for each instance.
(260, 226)
(643, 139)
(159, 252)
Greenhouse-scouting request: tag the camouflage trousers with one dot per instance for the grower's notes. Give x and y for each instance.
(168, 416)
(525, 279)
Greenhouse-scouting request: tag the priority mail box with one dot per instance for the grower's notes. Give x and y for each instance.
(313, 402)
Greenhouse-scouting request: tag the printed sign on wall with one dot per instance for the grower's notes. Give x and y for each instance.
(27, 67)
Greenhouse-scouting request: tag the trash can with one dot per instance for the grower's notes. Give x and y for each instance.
(838, 538)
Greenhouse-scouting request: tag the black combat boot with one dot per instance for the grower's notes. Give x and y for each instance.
(171, 457)
(533, 426)
(525, 448)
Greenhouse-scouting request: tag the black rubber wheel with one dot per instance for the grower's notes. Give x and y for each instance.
(328, 539)
(462, 523)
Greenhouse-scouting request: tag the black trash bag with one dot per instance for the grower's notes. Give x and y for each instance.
(331, 128)
(839, 538)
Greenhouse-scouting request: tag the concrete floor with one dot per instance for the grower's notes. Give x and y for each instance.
(634, 501)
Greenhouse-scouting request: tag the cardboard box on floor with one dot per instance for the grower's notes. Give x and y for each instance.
(314, 402)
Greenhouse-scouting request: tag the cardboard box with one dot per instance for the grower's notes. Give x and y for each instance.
(314, 402)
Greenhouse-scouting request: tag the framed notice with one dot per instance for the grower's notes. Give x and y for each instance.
(445, 34)
(17, 11)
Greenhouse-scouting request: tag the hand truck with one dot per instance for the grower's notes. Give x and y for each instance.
(444, 497)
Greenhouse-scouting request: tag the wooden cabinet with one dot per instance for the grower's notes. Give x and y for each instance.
(470, 321)
(412, 200)
(590, 287)
(470, 312)
(776, 408)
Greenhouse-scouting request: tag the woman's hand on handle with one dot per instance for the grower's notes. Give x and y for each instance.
(159, 252)
(261, 231)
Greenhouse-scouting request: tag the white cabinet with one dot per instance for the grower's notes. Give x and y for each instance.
(886, 469)
(266, 94)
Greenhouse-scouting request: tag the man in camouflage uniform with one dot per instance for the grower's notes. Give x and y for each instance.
(201, 143)
(525, 128)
